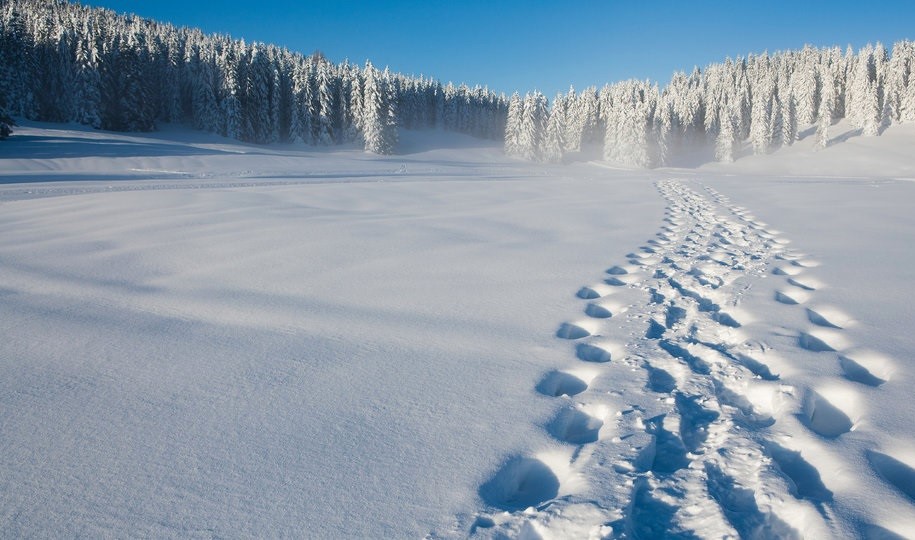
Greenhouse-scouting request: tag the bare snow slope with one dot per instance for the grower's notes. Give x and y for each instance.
(204, 338)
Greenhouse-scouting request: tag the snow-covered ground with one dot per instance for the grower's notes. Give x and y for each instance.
(201, 338)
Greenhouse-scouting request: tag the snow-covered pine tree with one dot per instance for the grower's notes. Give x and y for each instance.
(513, 126)
(17, 61)
(431, 92)
(459, 104)
(449, 108)
(439, 106)
(379, 116)
(860, 68)
(612, 121)
(789, 133)
(344, 119)
(554, 142)
(881, 72)
(205, 109)
(713, 95)
(898, 71)
(907, 101)
(533, 126)
(356, 109)
(52, 80)
(231, 125)
(172, 50)
(326, 104)
(886, 116)
(588, 117)
(136, 112)
(870, 114)
(258, 82)
(275, 103)
(628, 141)
(282, 95)
(826, 109)
(391, 90)
(373, 104)
(726, 144)
(87, 96)
(692, 109)
(806, 87)
(776, 123)
(761, 115)
(303, 98)
(663, 127)
(572, 126)
(407, 105)
(744, 103)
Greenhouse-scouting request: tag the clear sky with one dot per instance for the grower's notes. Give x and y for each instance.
(531, 44)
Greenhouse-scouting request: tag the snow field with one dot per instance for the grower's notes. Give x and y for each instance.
(204, 338)
(745, 433)
(340, 357)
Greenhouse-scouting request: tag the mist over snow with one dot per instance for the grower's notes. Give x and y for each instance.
(258, 294)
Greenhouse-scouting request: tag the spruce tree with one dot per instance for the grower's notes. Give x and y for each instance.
(513, 126)
(379, 115)
(789, 132)
(572, 128)
(761, 117)
(825, 112)
(870, 113)
(726, 143)
(806, 88)
(356, 109)
(533, 126)
(907, 102)
(87, 95)
(324, 128)
(231, 121)
(554, 139)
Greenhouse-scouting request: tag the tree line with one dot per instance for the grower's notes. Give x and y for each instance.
(63, 62)
(764, 101)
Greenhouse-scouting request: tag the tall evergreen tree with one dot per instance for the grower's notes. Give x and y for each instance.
(826, 109)
(87, 95)
(805, 86)
(324, 127)
(554, 139)
(357, 111)
(907, 102)
(789, 132)
(379, 117)
(534, 116)
(727, 142)
(870, 113)
(761, 116)
(513, 126)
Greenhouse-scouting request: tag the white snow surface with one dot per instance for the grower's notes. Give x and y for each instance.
(201, 338)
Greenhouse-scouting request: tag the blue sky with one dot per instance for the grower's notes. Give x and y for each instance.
(525, 45)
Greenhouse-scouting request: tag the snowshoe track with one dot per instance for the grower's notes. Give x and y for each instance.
(697, 443)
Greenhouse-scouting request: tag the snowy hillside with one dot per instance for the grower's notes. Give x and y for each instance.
(202, 338)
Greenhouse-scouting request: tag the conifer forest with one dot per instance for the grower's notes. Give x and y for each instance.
(63, 62)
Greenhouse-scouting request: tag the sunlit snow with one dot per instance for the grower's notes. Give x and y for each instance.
(202, 338)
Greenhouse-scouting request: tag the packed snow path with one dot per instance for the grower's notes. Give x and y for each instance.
(689, 416)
